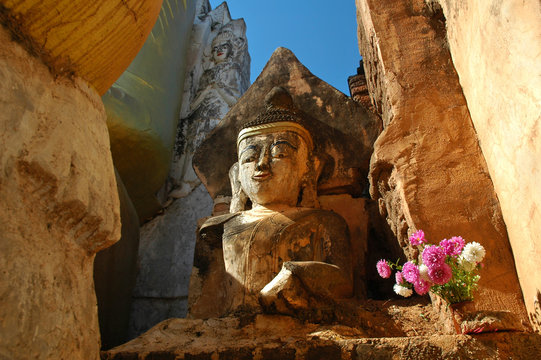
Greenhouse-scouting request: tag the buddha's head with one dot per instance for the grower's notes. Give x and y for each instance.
(275, 164)
(222, 47)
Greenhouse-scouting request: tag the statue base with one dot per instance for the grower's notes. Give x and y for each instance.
(392, 329)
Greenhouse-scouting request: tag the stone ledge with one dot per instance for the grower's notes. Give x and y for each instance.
(285, 338)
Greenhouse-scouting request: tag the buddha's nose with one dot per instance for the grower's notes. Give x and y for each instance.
(263, 163)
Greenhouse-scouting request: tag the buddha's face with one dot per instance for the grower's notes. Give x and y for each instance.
(271, 168)
(221, 51)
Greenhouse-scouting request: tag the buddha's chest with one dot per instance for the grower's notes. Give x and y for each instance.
(254, 252)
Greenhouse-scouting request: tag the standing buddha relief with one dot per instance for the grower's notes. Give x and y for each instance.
(214, 83)
(224, 77)
(276, 250)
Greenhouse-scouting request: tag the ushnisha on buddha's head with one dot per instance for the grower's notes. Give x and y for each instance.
(275, 168)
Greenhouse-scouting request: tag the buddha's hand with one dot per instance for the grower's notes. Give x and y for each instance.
(304, 286)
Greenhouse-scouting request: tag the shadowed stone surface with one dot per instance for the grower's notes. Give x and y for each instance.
(166, 256)
(115, 269)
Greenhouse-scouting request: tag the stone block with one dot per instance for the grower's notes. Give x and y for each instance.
(278, 337)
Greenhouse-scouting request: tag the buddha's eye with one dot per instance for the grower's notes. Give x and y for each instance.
(248, 155)
(281, 150)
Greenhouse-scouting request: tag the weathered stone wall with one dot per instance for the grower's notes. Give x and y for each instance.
(427, 171)
(58, 207)
(495, 47)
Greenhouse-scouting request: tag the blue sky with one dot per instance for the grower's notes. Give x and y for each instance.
(321, 33)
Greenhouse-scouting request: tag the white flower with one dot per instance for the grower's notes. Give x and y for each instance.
(402, 290)
(423, 272)
(465, 264)
(473, 252)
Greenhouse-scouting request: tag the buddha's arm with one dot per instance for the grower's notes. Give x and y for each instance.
(308, 284)
(318, 278)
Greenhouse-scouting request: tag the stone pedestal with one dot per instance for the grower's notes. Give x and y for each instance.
(383, 331)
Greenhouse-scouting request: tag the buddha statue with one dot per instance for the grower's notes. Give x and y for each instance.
(276, 251)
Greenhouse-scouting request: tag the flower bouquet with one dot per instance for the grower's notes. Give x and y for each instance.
(450, 269)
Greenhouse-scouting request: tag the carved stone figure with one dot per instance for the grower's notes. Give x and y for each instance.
(214, 84)
(280, 252)
(223, 79)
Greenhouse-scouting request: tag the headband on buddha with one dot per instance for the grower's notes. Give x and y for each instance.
(268, 128)
(280, 114)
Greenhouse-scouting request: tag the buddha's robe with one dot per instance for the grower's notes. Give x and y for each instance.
(253, 247)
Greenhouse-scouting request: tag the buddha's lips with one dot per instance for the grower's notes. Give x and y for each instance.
(261, 176)
(220, 53)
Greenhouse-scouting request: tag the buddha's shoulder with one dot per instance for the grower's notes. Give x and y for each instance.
(309, 214)
(217, 221)
(297, 215)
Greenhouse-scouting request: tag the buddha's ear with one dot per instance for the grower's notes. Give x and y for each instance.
(238, 196)
(308, 195)
(318, 166)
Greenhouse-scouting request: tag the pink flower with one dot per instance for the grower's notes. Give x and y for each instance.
(417, 238)
(398, 277)
(410, 272)
(440, 274)
(453, 246)
(421, 287)
(383, 269)
(433, 256)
